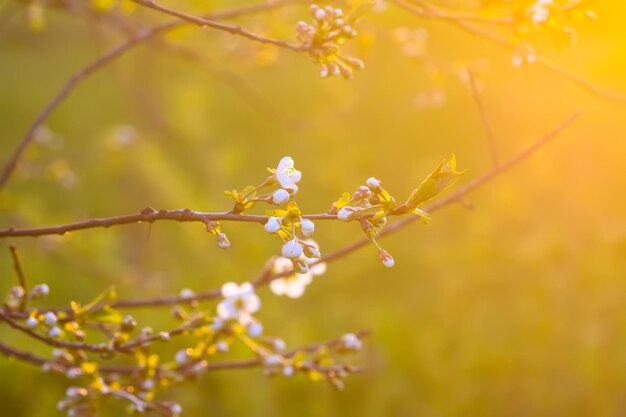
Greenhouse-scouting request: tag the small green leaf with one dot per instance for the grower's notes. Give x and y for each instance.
(343, 201)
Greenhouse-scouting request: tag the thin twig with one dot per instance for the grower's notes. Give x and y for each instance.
(483, 117)
(20, 275)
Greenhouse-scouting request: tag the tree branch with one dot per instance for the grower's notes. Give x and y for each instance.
(147, 215)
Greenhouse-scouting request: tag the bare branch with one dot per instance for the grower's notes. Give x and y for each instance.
(20, 275)
(21, 355)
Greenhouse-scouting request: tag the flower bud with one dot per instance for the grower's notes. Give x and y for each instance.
(279, 345)
(320, 14)
(311, 251)
(221, 346)
(292, 249)
(176, 409)
(373, 183)
(288, 371)
(40, 291)
(351, 341)
(300, 265)
(50, 319)
(271, 360)
(186, 293)
(54, 332)
(128, 323)
(181, 357)
(346, 213)
(385, 258)
(254, 329)
(280, 196)
(31, 322)
(273, 225)
(73, 373)
(222, 241)
(361, 192)
(307, 227)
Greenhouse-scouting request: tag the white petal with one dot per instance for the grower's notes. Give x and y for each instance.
(281, 265)
(295, 290)
(246, 288)
(278, 286)
(230, 289)
(318, 269)
(244, 318)
(252, 303)
(226, 310)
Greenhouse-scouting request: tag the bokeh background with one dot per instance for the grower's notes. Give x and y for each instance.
(514, 308)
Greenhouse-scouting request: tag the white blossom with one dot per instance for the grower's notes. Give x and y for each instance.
(240, 302)
(273, 225)
(289, 371)
(176, 409)
(221, 346)
(351, 341)
(280, 196)
(222, 241)
(373, 183)
(292, 249)
(386, 259)
(50, 319)
(40, 291)
(346, 213)
(31, 322)
(294, 284)
(181, 357)
(254, 328)
(307, 227)
(186, 293)
(287, 175)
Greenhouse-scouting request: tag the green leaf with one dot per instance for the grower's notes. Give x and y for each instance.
(442, 178)
(343, 201)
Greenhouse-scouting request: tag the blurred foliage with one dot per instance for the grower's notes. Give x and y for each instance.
(514, 308)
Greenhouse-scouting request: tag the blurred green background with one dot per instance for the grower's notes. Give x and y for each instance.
(517, 307)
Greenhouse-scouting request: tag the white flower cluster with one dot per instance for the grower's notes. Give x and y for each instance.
(329, 29)
(294, 284)
(287, 176)
(240, 303)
